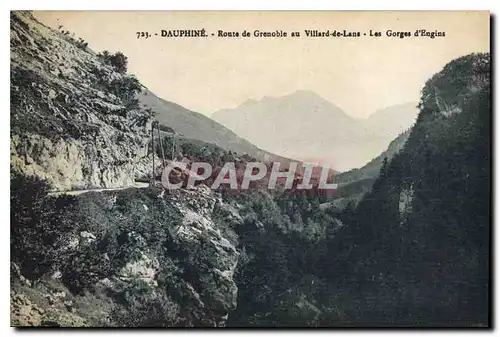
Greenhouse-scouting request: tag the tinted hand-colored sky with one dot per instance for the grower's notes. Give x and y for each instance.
(360, 75)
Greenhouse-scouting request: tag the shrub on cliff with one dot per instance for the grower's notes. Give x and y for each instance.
(81, 43)
(117, 60)
(40, 226)
(146, 310)
(127, 88)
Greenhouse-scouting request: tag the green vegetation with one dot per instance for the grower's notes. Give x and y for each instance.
(39, 227)
(191, 148)
(282, 282)
(423, 259)
(126, 87)
(70, 37)
(117, 60)
(51, 234)
(166, 128)
(82, 44)
(413, 251)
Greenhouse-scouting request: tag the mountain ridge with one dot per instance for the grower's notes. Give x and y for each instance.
(413, 252)
(419, 238)
(193, 125)
(304, 125)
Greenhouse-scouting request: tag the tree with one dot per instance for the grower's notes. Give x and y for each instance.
(40, 226)
(117, 60)
(383, 169)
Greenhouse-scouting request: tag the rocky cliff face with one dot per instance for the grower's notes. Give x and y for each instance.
(419, 238)
(129, 258)
(215, 256)
(145, 257)
(71, 122)
(133, 252)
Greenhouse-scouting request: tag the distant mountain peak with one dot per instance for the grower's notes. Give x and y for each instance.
(305, 93)
(249, 102)
(302, 94)
(302, 123)
(305, 96)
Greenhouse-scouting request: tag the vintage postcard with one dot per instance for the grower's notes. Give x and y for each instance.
(250, 169)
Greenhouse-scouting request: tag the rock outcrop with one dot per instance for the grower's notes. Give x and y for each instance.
(72, 121)
(77, 123)
(180, 246)
(215, 256)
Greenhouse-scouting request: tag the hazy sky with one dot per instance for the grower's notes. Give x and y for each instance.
(360, 75)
